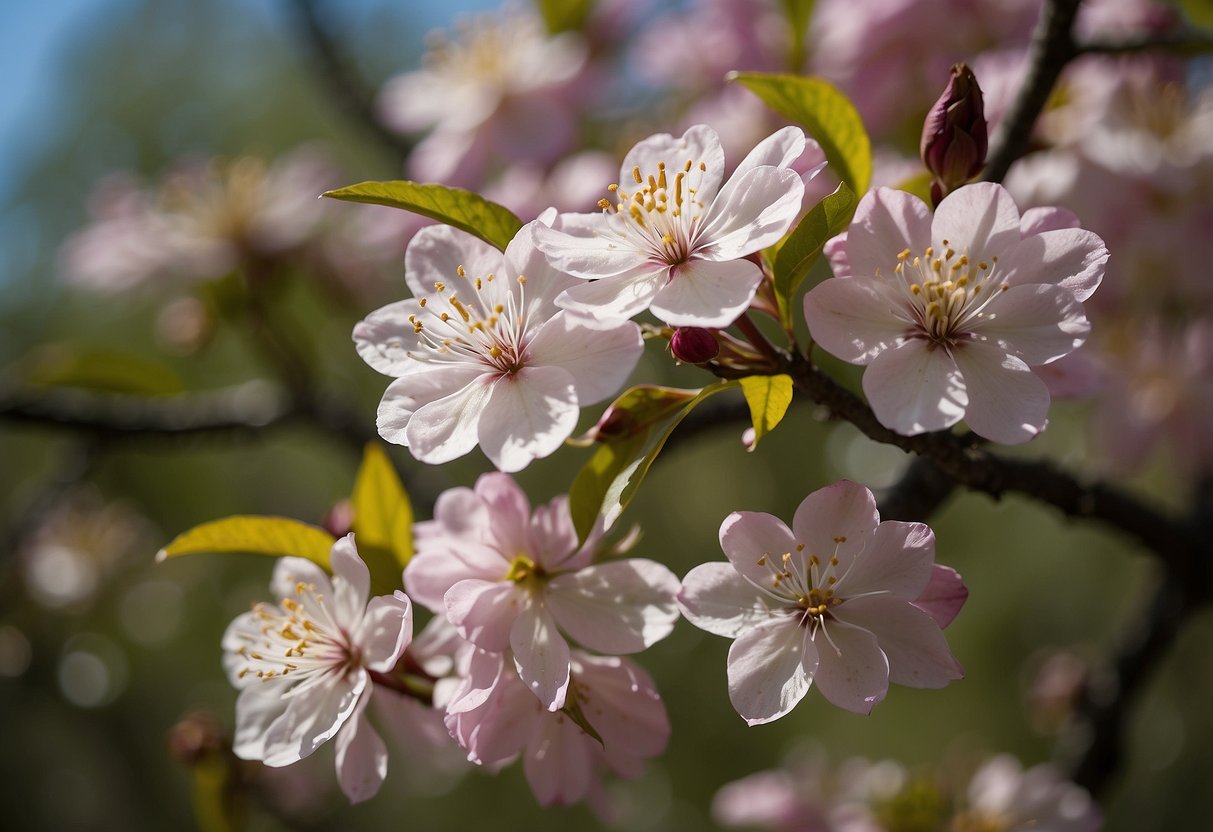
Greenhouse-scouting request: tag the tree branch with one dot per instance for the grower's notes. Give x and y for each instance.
(1186, 44)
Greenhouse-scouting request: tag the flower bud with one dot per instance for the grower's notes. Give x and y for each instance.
(694, 345)
(954, 135)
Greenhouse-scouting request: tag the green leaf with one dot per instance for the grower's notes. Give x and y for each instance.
(383, 515)
(273, 536)
(609, 481)
(798, 13)
(219, 805)
(1199, 12)
(103, 370)
(918, 185)
(768, 398)
(565, 15)
(493, 223)
(826, 114)
(802, 248)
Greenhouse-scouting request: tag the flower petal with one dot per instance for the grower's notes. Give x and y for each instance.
(541, 655)
(707, 293)
(770, 669)
(558, 762)
(313, 715)
(445, 429)
(748, 537)
(1072, 258)
(755, 209)
(1038, 323)
(944, 595)
(437, 252)
(585, 246)
(361, 756)
(852, 672)
(406, 395)
(914, 388)
(615, 607)
(780, 149)
(622, 703)
(897, 560)
(528, 415)
(978, 219)
(1037, 220)
(915, 647)
(257, 707)
(439, 565)
(599, 360)
(385, 337)
(836, 521)
(351, 583)
(1007, 403)
(698, 145)
(385, 631)
(886, 222)
(617, 298)
(854, 318)
(714, 597)
(484, 611)
(290, 572)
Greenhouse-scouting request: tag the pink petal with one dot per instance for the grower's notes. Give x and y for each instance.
(852, 672)
(385, 336)
(445, 429)
(1071, 258)
(528, 415)
(897, 559)
(755, 209)
(440, 565)
(553, 538)
(698, 144)
(1007, 403)
(436, 253)
(558, 762)
(312, 716)
(583, 245)
(915, 388)
(361, 756)
(484, 611)
(1037, 220)
(385, 631)
(351, 582)
(714, 597)
(770, 668)
(541, 655)
(1035, 322)
(980, 219)
(622, 703)
(615, 607)
(944, 595)
(886, 222)
(855, 318)
(749, 536)
(608, 301)
(835, 521)
(835, 251)
(290, 572)
(915, 647)
(406, 395)
(509, 513)
(599, 360)
(706, 293)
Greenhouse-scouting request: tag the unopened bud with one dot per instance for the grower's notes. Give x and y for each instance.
(339, 521)
(694, 345)
(196, 736)
(955, 136)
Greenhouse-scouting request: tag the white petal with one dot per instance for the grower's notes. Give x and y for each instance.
(915, 388)
(1071, 258)
(780, 149)
(405, 396)
(748, 537)
(611, 300)
(257, 707)
(707, 293)
(770, 669)
(886, 222)
(835, 521)
(714, 597)
(599, 360)
(543, 283)
(585, 246)
(484, 611)
(528, 415)
(852, 672)
(385, 631)
(1038, 220)
(541, 655)
(1007, 403)
(436, 252)
(1038, 323)
(361, 757)
(915, 647)
(699, 144)
(290, 572)
(897, 559)
(445, 429)
(980, 219)
(351, 583)
(385, 337)
(753, 212)
(854, 318)
(615, 607)
(312, 716)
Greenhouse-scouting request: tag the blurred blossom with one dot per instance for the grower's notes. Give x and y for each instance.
(151, 611)
(200, 222)
(92, 671)
(573, 184)
(196, 736)
(1003, 796)
(1055, 688)
(496, 89)
(184, 325)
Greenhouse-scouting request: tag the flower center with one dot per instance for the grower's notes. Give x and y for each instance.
(661, 215)
(807, 583)
(298, 635)
(479, 53)
(487, 324)
(946, 293)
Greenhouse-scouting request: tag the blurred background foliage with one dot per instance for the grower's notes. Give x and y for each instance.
(102, 651)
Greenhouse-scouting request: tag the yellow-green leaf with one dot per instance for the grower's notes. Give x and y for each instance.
(826, 114)
(493, 223)
(101, 369)
(609, 481)
(383, 515)
(919, 185)
(564, 15)
(768, 398)
(273, 536)
(798, 13)
(802, 248)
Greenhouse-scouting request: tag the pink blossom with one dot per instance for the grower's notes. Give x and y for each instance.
(507, 578)
(1004, 796)
(671, 238)
(482, 356)
(304, 667)
(494, 717)
(951, 312)
(831, 601)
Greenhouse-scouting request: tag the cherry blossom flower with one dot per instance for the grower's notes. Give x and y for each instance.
(494, 717)
(305, 667)
(829, 601)
(508, 578)
(671, 238)
(950, 313)
(482, 356)
(1004, 797)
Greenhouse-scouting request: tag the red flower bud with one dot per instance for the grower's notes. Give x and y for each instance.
(694, 345)
(955, 136)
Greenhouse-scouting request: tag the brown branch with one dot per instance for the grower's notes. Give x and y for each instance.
(1186, 44)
